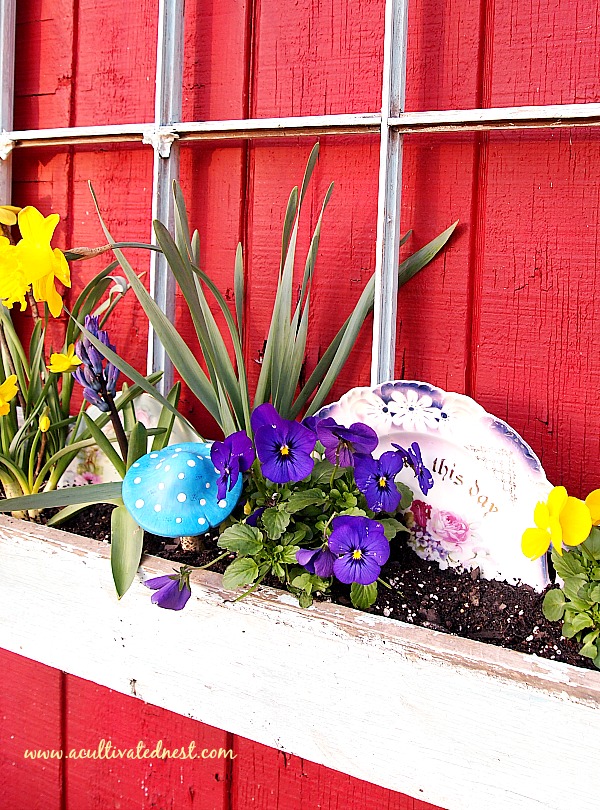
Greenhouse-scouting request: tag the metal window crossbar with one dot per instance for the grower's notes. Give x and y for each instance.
(166, 132)
(553, 115)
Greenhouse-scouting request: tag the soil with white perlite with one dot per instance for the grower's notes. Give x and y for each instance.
(459, 603)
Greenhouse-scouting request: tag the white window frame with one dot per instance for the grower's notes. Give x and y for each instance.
(166, 132)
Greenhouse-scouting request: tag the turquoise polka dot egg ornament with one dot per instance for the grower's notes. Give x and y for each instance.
(173, 492)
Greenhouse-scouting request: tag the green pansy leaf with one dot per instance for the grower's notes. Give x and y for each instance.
(391, 527)
(126, 538)
(323, 470)
(568, 565)
(275, 522)
(363, 596)
(553, 606)
(594, 593)
(592, 544)
(300, 500)
(305, 599)
(407, 495)
(589, 650)
(581, 621)
(242, 539)
(288, 555)
(301, 582)
(242, 571)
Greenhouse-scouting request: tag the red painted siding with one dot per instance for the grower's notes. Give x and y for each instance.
(506, 314)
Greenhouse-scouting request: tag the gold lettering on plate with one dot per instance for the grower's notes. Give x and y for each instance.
(446, 470)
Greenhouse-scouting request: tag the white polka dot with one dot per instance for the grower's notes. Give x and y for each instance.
(178, 449)
(208, 485)
(167, 468)
(201, 521)
(181, 476)
(202, 502)
(173, 456)
(158, 466)
(217, 471)
(137, 464)
(137, 480)
(153, 455)
(222, 504)
(200, 457)
(157, 507)
(161, 485)
(182, 497)
(139, 503)
(177, 520)
(191, 462)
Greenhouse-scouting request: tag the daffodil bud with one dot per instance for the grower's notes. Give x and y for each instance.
(44, 423)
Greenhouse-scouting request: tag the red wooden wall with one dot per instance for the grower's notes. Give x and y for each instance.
(506, 315)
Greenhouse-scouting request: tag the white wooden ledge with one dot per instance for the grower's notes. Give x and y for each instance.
(458, 723)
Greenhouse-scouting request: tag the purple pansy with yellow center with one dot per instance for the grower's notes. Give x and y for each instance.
(317, 561)
(231, 457)
(172, 591)
(283, 446)
(342, 443)
(376, 480)
(413, 458)
(361, 548)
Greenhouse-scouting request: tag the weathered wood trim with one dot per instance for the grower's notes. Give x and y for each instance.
(454, 722)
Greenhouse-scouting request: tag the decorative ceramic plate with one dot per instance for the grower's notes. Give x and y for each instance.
(487, 480)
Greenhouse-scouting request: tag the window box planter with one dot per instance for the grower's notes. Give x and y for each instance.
(454, 722)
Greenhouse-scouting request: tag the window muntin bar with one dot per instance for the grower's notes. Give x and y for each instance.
(387, 247)
(7, 72)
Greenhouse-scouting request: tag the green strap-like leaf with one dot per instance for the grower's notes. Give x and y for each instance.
(68, 496)
(126, 539)
(138, 443)
(166, 420)
(103, 442)
(176, 348)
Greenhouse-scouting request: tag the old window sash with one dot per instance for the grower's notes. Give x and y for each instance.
(166, 132)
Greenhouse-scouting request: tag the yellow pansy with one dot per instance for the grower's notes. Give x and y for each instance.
(593, 504)
(42, 265)
(561, 519)
(61, 363)
(13, 284)
(8, 390)
(44, 423)
(8, 214)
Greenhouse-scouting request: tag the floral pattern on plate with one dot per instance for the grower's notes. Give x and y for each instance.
(486, 478)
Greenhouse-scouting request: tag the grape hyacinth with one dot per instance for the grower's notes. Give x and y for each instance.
(99, 377)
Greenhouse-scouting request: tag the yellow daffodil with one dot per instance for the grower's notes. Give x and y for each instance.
(42, 264)
(13, 283)
(593, 504)
(61, 363)
(8, 390)
(8, 214)
(561, 519)
(44, 423)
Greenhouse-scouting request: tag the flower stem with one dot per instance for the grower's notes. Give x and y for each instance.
(116, 421)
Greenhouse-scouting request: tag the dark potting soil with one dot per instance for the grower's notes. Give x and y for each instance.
(422, 594)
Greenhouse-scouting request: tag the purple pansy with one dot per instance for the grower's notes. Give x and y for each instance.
(252, 519)
(97, 379)
(341, 443)
(231, 457)
(283, 446)
(413, 458)
(361, 548)
(376, 480)
(311, 422)
(317, 561)
(172, 592)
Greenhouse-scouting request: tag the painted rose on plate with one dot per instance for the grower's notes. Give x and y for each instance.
(442, 536)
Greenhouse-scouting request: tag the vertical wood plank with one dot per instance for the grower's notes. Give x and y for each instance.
(30, 719)
(265, 779)
(94, 713)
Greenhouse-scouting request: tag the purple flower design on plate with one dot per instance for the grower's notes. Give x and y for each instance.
(283, 446)
(361, 548)
(376, 480)
(342, 443)
(231, 457)
(172, 591)
(317, 561)
(413, 458)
